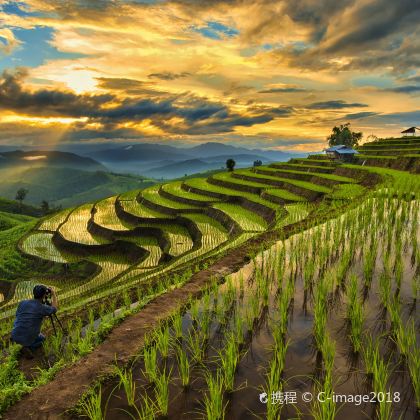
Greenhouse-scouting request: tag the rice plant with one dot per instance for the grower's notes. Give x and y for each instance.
(325, 409)
(163, 339)
(183, 366)
(126, 380)
(150, 363)
(91, 406)
(162, 391)
(355, 314)
(177, 325)
(196, 346)
(229, 358)
(213, 399)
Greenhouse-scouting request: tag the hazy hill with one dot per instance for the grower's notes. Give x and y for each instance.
(152, 158)
(14, 207)
(179, 169)
(142, 152)
(48, 158)
(64, 186)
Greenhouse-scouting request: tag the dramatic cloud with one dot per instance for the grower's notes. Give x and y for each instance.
(168, 75)
(241, 71)
(338, 104)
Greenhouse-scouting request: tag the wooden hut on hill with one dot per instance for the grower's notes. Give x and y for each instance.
(341, 152)
(411, 130)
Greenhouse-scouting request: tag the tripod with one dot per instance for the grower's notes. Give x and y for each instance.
(54, 320)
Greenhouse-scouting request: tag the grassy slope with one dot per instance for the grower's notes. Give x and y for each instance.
(11, 206)
(12, 264)
(66, 186)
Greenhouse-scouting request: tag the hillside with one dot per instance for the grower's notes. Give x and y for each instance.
(65, 186)
(36, 158)
(196, 273)
(12, 206)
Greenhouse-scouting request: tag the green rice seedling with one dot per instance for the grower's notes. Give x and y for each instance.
(394, 314)
(194, 311)
(163, 341)
(398, 270)
(177, 325)
(254, 304)
(320, 313)
(213, 399)
(380, 380)
(148, 410)
(238, 326)
(91, 316)
(150, 363)
(183, 366)
(414, 369)
(356, 326)
(405, 338)
(84, 345)
(369, 265)
(385, 289)
(196, 345)
(326, 410)
(205, 324)
(355, 314)
(162, 391)
(126, 380)
(126, 299)
(229, 358)
(91, 406)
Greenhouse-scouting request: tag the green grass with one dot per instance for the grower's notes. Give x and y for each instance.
(285, 195)
(12, 263)
(10, 220)
(346, 192)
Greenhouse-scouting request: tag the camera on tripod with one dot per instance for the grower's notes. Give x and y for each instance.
(48, 297)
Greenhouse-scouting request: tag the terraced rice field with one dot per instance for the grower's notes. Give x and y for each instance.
(106, 216)
(331, 258)
(75, 228)
(177, 213)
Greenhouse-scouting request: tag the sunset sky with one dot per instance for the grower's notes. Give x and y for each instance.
(260, 73)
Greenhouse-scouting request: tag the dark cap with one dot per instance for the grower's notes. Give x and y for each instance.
(39, 291)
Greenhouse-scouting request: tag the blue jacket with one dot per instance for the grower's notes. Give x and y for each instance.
(29, 316)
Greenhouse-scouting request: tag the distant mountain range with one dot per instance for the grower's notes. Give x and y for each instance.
(163, 161)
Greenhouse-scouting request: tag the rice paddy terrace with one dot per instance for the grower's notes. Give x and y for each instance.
(341, 259)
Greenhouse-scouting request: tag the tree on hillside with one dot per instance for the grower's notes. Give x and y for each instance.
(45, 207)
(21, 195)
(257, 163)
(343, 135)
(230, 165)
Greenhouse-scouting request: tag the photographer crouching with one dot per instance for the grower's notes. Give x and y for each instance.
(29, 315)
